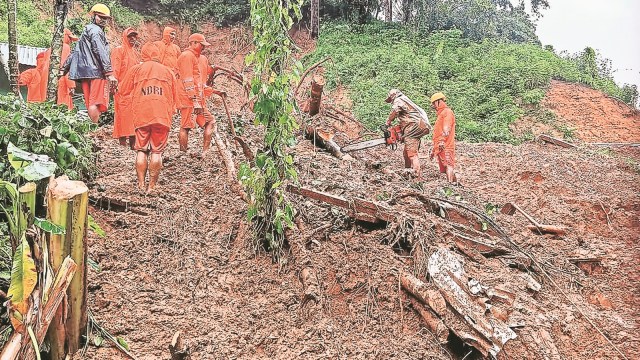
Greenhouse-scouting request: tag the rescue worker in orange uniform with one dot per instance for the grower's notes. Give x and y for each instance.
(66, 86)
(153, 91)
(193, 109)
(123, 58)
(91, 65)
(169, 51)
(414, 124)
(32, 79)
(444, 133)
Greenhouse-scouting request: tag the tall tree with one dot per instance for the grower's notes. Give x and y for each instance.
(388, 14)
(12, 13)
(315, 18)
(61, 9)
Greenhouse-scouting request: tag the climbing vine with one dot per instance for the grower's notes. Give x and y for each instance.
(276, 71)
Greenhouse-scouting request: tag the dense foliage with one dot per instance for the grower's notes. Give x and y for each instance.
(49, 130)
(271, 87)
(33, 28)
(489, 83)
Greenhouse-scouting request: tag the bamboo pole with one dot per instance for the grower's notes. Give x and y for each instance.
(67, 206)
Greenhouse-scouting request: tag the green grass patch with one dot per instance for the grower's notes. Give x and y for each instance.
(489, 84)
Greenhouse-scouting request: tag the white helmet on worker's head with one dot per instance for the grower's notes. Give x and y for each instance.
(393, 94)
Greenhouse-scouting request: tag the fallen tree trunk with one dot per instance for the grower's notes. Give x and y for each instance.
(547, 229)
(232, 174)
(434, 324)
(359, 209)
(427, 294)
(555, 141)
(325, 140)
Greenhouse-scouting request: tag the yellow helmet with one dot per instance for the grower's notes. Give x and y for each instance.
(438, 96)
(102, 9)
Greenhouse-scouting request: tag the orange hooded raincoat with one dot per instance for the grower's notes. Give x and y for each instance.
(445, 124)
(153, 91)
(123, 58)
(205, 71)
(169, 52)
(65, 85)
(33, 80)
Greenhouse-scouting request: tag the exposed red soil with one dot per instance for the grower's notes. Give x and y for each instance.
(594, 116)
(188, 262)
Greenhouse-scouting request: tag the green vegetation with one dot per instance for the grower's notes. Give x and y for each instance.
(271, 86)
(49, 130)
(488, 83)
(33, 28)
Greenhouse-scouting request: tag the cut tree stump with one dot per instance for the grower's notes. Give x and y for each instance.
(315, 101)
(67, 207)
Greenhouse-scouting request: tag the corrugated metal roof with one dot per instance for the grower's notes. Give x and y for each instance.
(26, 54)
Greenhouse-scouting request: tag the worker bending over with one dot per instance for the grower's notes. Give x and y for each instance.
(444, 133)
(192, 104)
(153, 90)
(414, 125)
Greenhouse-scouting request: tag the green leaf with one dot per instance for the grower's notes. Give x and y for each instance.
(123, 343)
(94, 265)
(23, 281)
(49, 227)
(98, 340)
(93, 225)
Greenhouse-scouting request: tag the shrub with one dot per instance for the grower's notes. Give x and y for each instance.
(486, 82)
(49, 130)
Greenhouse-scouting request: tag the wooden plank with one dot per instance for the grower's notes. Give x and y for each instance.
(556, 141)
(320, 196)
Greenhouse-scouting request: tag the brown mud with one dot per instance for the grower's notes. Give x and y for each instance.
(185, 260)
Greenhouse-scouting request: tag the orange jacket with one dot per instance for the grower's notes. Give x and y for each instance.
(190, 83)
(205, 71)
(66, 85)
(33, 80)
(123, 58)
(444, 130)
(169, 51)
(153, 90)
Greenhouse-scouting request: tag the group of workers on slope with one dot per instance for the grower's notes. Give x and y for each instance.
(149, 86)
(415, 125)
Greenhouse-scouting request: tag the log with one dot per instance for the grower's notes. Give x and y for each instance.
(435, 325)
(226, 110)
(547, 229)
(67, 206)
(427, 294)
(12, 347)
(309, 281)
(232, 174)
(556, 141)
(317, 85)
(359, 209)
(325, 140)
